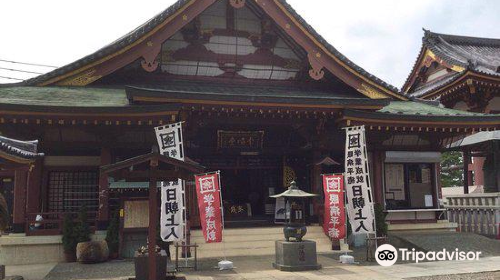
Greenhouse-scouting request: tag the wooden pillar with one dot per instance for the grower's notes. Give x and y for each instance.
(466, 156)
(34, 191)
(103, 210)
(378, 177)
(153, 220)
(19, 205)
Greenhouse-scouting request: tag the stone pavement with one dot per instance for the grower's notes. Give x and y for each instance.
(261, 268)
(30, 272)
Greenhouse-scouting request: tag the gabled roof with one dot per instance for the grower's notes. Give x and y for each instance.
(479, 54)
(459, 53)
(85, 67)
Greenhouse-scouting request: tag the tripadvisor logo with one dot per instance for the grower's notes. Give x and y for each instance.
(387, 255)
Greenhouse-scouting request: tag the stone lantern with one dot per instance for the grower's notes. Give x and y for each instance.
(296, 254)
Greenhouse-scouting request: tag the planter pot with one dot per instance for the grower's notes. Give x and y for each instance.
(92, 251)
(113, 256)
(70, 257)
(141, 266)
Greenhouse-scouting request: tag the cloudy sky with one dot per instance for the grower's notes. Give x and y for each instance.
(382, 36)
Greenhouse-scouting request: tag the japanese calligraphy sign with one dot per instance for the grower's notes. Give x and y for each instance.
(334, 218)
(172, 209)
(240, 140)
(209, 204)
(357, 182)
(170, 140)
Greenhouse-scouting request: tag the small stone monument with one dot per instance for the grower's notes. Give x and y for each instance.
(294, 253)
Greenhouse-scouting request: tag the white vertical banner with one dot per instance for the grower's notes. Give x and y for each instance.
(172, 211)
(357, 182)
(170, 140)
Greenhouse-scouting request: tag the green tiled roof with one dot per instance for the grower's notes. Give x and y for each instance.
(63, 96)
(420, 108)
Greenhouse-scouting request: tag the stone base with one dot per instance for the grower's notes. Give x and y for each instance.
(296, 256)
(141, 264)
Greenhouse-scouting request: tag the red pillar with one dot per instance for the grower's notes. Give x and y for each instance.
(19, 205)
(103, 211)
(33, 193)
(477, 168)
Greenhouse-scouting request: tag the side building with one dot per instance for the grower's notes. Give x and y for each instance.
(461, 73)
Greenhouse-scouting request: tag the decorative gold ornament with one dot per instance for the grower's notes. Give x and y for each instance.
(82, 79)
(288, 176)
(371, 92)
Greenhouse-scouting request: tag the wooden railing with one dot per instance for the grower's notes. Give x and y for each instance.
(52, 222)
(478, 213)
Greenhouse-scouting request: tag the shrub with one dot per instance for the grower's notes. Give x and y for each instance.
(68, 234)
(82, 229)
(380, 220)
(112, 234)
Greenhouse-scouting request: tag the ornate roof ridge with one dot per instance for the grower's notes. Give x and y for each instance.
(461, 39)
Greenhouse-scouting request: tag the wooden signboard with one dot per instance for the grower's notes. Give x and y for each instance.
(240, 140)
(135, 214)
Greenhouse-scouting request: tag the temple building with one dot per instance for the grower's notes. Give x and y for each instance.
(263, 98)
(461, 73)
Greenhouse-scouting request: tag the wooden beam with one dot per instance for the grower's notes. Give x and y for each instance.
(153, 221)
(103, 211)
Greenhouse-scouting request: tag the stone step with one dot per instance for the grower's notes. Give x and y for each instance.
(259, 231)
(444, 226)
(253, 241)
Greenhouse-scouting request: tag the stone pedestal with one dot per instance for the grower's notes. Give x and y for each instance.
(296, 256)
(142, 266)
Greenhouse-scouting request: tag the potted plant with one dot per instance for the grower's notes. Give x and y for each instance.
(68, 239)
(88, 251)
(112, 236)
(142, 266)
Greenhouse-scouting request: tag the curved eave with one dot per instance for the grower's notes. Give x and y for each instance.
(418, 63)
(135, 94)
(61, 111)
(464, 77)
(391, 119)
(428, 49)
(17, 159)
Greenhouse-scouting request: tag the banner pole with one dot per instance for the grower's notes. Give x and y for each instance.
(222, 215)
(344, 192)
(185, 221)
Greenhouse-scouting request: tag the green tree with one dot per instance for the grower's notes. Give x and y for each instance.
(451, 169)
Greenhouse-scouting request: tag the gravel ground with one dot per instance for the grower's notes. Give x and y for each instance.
(495, 275)
(436, 241)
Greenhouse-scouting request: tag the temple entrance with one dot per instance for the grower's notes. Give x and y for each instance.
(246, 196)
